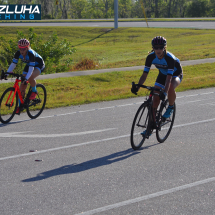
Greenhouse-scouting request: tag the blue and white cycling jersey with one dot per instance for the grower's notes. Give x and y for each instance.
(31, 59)
(168, 65)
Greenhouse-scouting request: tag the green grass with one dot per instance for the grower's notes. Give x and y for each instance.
(121, 47)
(116, 85)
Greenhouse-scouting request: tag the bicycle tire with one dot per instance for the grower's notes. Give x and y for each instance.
(140, 123)
(6, 112)
(35, 107)
(164, 125)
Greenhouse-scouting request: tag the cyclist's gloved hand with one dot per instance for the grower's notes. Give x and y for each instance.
(134, 88)
(163, 95)
(23, 80)
(2, 75)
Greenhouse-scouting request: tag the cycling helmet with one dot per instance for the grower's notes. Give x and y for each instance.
(23, 43)
(159, 41)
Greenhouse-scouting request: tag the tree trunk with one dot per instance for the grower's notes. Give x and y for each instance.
(46, 6)
(156, 8)
(169, 9)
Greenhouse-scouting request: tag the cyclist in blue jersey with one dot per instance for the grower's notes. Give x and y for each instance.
(170, 73)
(34, 66)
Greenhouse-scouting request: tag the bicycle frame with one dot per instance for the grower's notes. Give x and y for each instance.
(150, 101)
(17, 90)
(13, 95)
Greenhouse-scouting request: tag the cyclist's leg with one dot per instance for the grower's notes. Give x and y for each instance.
(159, 84)
(35, 73)
(22, 90)
(32, 81)
(23, 86)
(176, 80)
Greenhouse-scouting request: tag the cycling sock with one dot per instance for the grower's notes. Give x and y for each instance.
(171, 106)
(34, 89)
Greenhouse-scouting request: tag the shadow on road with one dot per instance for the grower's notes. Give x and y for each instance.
(87, 165)
(12, 123)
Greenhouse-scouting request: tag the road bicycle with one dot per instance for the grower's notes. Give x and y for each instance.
(146, 120)
(9, 100)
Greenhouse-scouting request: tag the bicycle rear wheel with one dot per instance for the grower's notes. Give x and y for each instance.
(164, 124)
(8, 105)
(35, 107)
(140, 123)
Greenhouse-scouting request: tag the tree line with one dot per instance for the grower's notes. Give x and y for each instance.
(98, 9)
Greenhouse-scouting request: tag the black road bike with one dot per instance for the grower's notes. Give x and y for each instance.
(146, 120)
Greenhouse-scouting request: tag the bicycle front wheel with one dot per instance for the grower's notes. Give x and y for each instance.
(35, 107)
(8, 105)
(164, 124)
(139, 125)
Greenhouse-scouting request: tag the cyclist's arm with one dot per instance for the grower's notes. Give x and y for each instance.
(15, 61)
(143, 78)
(11, 68)
(30, 71)
(31, 64)
(147, 67)
(170, 71)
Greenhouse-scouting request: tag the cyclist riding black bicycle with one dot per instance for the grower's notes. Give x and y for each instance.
(35, 65)
(169, 77)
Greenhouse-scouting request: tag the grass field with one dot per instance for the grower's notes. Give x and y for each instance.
(118, 48)
(116, 85)
(109, 48)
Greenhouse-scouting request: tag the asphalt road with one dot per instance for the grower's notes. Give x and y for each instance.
(194, 24)
(86, 164)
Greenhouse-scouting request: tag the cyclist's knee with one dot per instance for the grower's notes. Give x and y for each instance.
(175, 82)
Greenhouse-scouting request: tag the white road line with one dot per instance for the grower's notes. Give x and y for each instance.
(17, 134)
(92, 142)
(200, 94)
(212, 103)
(190, 102)
(150, 196)
(194, 123)
(62, 147)
(104, 108)
(127, 105)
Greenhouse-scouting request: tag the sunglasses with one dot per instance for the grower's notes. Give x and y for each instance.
(161, 48)
(22, 48)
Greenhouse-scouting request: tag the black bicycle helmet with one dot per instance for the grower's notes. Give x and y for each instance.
(159, 41)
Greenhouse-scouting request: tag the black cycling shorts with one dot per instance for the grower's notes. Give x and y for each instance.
(40, 67)
(161, 78)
